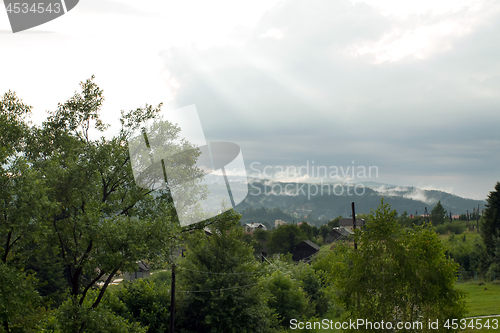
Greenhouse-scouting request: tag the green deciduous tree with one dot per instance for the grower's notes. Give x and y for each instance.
(144, 301)
(22, 194)
(285, 237)
(101, 222)
(288, 299)
(324, 230)
(218, 283)
(396, 275)
(20, 304)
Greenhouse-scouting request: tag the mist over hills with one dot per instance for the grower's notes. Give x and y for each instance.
(313, 202)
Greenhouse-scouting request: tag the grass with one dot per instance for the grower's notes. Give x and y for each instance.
(481, 300)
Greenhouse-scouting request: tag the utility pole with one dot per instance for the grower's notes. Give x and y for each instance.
(477, 220)
(354, 224)
(355, 248)
(172, 301)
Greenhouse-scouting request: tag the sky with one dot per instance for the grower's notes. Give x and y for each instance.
(411, 88)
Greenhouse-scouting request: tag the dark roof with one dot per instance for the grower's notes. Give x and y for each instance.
(342, 231)
(348, 222)
(311, 244)
(143, 267)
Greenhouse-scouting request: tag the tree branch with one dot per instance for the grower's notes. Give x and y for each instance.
(103, 289)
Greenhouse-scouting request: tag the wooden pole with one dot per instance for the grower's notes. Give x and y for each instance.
(477, 220)
(172, 301)
(355, 248)
(354, 224)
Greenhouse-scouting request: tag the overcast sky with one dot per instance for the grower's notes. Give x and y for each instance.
(411, 87)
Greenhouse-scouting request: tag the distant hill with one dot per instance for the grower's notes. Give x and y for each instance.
(298, 200)
(267, 216)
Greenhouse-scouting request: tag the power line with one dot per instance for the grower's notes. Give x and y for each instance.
(222, 273)
(212, 290)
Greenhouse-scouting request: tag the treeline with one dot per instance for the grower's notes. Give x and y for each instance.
(222, 287)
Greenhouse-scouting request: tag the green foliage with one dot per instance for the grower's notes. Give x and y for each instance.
(218, 283)
(72, 316)
(146, 302)
(23, 194)
(324, 230)
(99, 220)
(307, 230)
(335, 222)
(396, 275)
(285, 238)
(490, 227)
(20, 303)
(455, 227)
(312, 283)
(53, 283)
(261, 235)
(288, 298)
(77, 197)
(438, 214)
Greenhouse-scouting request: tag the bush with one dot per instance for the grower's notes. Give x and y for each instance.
(456, 227)
(493, 272)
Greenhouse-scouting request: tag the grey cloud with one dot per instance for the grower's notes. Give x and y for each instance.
(301, 98)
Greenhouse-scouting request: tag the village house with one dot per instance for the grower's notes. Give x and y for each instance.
(250, 227)
(347, 223)
(304, 250)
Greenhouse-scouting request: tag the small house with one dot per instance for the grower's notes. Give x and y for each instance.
(250, 227)
(338, 233)
(142, 271)
(347, 223)
(304, 250)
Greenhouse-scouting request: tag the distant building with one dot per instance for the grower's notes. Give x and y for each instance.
(250, 227)
(143, 271)
(277, 223)
(304, 251)
(347, 223)
(303, 222)
(455, 217)
(338, 233)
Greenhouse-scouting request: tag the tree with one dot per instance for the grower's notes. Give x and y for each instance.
(77, 199)
(438, 214)
(145, 301)
(335, 222)
(324, 230)
(218, 283)
(23, 193)
(285, 238)
(101, 221)
(307, 230)
(396, 275)
(20, 304)
(490, 228)
(404, 220)
(288, 299)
